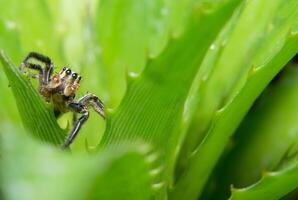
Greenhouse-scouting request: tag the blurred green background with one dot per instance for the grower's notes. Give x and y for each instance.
(201, 98)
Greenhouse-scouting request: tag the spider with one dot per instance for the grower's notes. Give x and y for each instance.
(59, 89)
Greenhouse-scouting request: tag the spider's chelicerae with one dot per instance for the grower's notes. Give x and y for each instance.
(59, 89)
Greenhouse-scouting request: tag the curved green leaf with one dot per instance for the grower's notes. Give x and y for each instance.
(267, 134)
(153, 105)
(38, 118)
(128, 31)
(273, 185)
(30, 170)
(226, 122)
(230, 98)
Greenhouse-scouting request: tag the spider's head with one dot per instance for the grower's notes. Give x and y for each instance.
(72, 83)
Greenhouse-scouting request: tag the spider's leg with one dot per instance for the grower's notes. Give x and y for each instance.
(78, 108)
(35, 76)
(47, 71)
(39, 57)
(94, 102)
(34, 67)
(74, 118)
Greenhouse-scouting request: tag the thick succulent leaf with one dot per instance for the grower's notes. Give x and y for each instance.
(267, 134)
(273, 185)
(177, 15)
(265, 137)
(210, 93)
(199, 118)
(38, 118)
(153, 104)
(220, 132)
(229, 104)
(128, 176)
(30, 170)
(128, 32)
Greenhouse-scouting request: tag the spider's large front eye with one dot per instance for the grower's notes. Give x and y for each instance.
(68, 72)
(74, 75)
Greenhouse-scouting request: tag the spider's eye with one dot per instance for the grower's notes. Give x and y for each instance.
(74, 75)
(68, 72)
(64, 68)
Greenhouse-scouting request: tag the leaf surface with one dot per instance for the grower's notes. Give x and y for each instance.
(38, 117)
(39, 171)
(228, 99)
(153, 104)
(281, 182)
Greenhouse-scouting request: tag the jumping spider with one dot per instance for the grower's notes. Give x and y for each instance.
(59, 89)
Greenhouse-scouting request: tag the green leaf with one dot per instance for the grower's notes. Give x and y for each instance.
(226, 122)
(38, 118)
(177, 15)
(273, 185)
(267, 134)
(153, 105)
(228, 99)
(30, 170)
(128, 32)
(128, 176)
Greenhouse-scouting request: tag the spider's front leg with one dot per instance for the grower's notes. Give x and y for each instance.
(44, 73)
(90, 100)
(78, 108)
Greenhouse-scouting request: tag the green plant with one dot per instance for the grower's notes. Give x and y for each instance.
(178, 78)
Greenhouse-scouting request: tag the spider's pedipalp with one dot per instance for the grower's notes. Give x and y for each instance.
(72, 84)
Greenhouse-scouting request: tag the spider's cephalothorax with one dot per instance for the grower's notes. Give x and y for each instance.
(59, 89)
